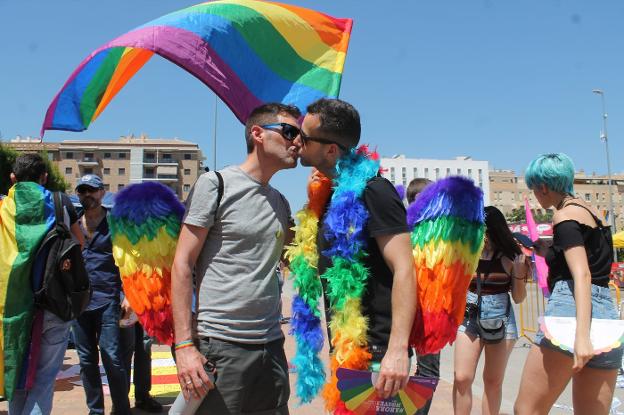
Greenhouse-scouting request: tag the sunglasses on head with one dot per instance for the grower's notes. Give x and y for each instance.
(305, 138)
(288, 131)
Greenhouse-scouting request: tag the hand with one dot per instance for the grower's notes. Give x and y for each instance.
(394, 373)
(194, 380)
(520, 266)
(583, 352)
(541, 246)
(126, 310)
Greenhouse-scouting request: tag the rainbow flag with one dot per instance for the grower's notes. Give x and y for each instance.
(447, 239)
(26, 216)
(247, 51)
(145, 223)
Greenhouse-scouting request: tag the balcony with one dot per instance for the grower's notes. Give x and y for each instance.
(161, 161)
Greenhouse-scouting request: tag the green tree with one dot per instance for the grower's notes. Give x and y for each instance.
(516, 215)
(7, 159)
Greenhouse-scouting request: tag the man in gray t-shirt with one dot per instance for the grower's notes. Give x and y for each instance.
(234, 245)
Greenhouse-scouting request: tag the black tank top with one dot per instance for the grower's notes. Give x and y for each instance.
(598, 245)
(494, 278)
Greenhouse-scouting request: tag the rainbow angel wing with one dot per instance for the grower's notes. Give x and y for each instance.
(358, 393)
(145, 223)
(447, 238)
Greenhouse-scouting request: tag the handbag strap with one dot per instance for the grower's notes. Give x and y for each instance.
(479, 296)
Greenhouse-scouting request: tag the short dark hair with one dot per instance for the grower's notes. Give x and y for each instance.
(339, 119)
(416, 186)
(266, 114)
(29, 167)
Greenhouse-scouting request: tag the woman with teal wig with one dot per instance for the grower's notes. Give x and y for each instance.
(579, 262)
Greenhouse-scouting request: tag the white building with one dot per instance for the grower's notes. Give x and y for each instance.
(401, 170)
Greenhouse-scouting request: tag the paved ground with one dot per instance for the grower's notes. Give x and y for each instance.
(69, 398)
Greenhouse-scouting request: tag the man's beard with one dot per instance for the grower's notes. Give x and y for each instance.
(89, 203)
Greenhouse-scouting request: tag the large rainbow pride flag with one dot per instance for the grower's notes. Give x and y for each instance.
(247, 51)
(26, 215)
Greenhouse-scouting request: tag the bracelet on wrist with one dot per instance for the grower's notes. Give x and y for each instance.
(183, 344)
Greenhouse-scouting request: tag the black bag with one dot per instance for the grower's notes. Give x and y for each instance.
(491, 330)
(65, 289)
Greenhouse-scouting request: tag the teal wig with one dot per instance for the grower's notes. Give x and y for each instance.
(555, 170)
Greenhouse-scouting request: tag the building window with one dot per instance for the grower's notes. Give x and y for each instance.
(188, 156)
(187, 187)
(106, 170)
(587, 197)
(121, 171)
(459, 172)
(404, 176)
(106, 187)
(107, 155)
(120, 186)
(68, 170)
(122, 155)
(415, 172)
(187, 172)
(426, 172)
(88, 170)
(481, 178)
(448, 171)
(469, 172)
(166, 156)
(437, 173)
(88, 155)
(392, 174)
(69, 155)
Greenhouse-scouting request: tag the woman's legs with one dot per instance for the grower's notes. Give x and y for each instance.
(496, 357)
(592, 390)
(546, 374)
(467, 352)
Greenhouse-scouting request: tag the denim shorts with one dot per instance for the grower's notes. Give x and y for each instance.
(492, 306)
(561, 304)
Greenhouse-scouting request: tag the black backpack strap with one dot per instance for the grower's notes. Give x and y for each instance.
(219, 194)
(58, 209)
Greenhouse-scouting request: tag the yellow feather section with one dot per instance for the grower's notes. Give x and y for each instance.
(447, 253)
(348, 327)
(147, 256)
(305, 238)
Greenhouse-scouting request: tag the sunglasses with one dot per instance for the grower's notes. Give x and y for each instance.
(86, 189)
(305, 138)
(288, 131)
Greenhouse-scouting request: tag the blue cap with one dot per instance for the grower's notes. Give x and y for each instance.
(90, 180)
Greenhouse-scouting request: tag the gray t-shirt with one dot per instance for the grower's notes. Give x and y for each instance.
(238, 291)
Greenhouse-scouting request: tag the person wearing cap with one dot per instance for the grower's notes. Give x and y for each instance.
(98, 325)
(329, 133)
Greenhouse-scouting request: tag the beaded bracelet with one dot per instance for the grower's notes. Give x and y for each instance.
(183, 344)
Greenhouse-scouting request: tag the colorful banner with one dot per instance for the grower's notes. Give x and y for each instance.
(540, 263)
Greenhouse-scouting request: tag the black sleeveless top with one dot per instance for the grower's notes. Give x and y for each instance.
(598, 245)
(498, 283)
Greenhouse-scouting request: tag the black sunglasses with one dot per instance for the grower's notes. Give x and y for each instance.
(288, 131)
(305, 138)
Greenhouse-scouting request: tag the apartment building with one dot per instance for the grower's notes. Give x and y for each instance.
(172, 162)
(509, 190)
(401, 170)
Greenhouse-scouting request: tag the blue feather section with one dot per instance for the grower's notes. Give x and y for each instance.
(139, 202)
(452, 196)
(400, 190)
(306, 327)
(353, 171)
(345, 221)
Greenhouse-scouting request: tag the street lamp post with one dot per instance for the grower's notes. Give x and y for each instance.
(604, 137)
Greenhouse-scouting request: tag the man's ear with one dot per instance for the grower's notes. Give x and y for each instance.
(256, 134)
(13, 178)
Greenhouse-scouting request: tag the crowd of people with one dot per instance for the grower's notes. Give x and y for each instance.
(229, 347)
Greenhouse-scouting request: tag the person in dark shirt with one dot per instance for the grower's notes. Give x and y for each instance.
(331, 128)
(99, 323)
(579, 262)
(55, 331)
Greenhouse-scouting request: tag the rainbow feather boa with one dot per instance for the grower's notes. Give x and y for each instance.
(346, 279)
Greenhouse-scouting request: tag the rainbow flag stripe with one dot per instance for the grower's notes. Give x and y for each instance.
(247, 51)
(145, 223)
(26, 215)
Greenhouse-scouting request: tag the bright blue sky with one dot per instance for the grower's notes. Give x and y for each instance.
(497, 80)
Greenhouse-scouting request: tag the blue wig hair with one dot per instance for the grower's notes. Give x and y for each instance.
(555, 170)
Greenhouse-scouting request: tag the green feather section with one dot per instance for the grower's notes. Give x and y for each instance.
(307, 283)
(134, 232)
(345, 279)
(449, 229)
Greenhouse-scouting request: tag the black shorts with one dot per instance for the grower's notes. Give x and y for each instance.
(250, 378)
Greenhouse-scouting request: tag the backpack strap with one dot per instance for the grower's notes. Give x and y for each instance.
(219, 194)
(58, 209)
